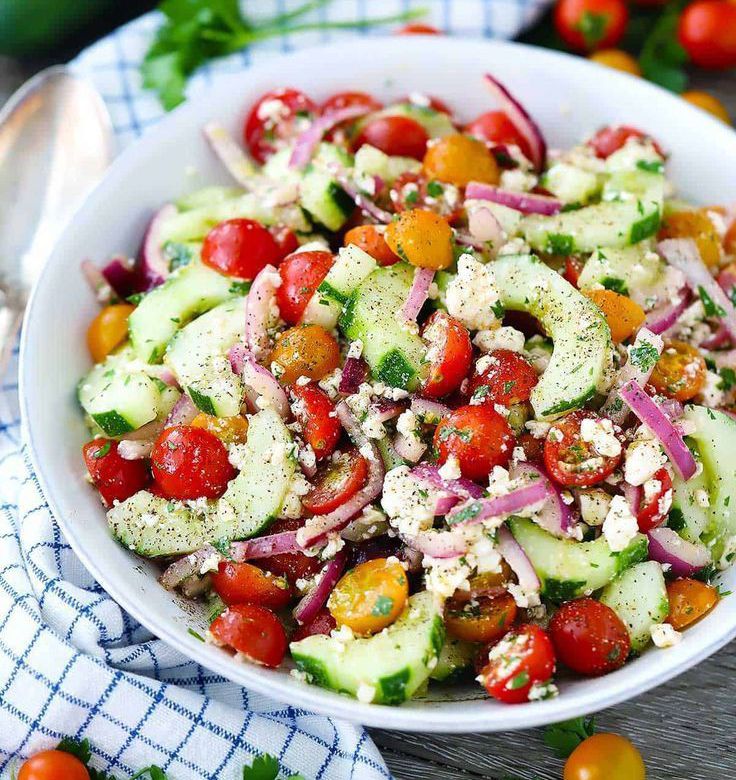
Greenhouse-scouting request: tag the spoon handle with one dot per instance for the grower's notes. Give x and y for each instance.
(10, 320)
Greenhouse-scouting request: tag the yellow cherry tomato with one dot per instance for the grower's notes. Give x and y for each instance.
(709, 103)
(618, 60)
(460, 159)
(108, 330)
(690, 600)
(605, 757)
(306, 350)
(624, 316)
(422, 238)
(229, 430)
(680, 372)
(695, 224)
(370, 596)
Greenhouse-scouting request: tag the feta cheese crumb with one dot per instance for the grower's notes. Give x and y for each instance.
(366, 693)
(538, 430)
(523, 598)
(410, 504)
(504, 337)
(600, 433)
(594, 506)
(540, 691)
(620, 525)
(644, 457)
(450, 469)
(663, 635)
(472, 295)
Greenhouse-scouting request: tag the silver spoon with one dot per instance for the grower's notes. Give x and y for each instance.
(56, 142)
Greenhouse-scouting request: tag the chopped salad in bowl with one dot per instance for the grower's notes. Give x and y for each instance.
(417, 399)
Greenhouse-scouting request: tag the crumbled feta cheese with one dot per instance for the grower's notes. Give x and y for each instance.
(517, 246)
(355, 350)
(523, 598)
(450, 469)
(472, 295)
(538, 430)
(238, 455)
(443, 576)
(409, 503)
(545, 690)
(600, 433)
(644, 457)
(729, 553)
(210, 563)
(331, 383)
(594, 506)
(298, 674)
(298, 487)
(711, 395)
(620, 525)
(663, 635)
(504, 337)
(335, 543)
(366, 693)
(518, 180)
(407, 424)
(303, 380)
(499, 482)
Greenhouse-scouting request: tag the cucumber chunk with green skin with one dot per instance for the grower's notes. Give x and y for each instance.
(389, 666)
(320, 195)
(206, 196)
(395, 353)
(634, 270)
(582, 354)
(455, 660)
(571, 184)
(197, 355)
(370, 162)
(568, 568)
(688, 516)
(639, 597)
(191, 290)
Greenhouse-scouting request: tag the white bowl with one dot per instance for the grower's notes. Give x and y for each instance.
(568, 96)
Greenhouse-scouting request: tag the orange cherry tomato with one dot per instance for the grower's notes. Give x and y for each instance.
(695, 224)
(229, 430)
(707, 32)
(481, 619)
(624, 316)
(605, 757)
(586, 25)
(253, 631)
(460, 159)
(680, 371)
(239, 583)
(53, 765)
(371, 596)
(306, 350)
(108, 330)
(618, 60)
(422, 238)
(690, 600)
(707, 102)
(371, 240)
(417, 28)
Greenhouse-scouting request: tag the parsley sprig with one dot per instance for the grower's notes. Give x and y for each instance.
(564, 737)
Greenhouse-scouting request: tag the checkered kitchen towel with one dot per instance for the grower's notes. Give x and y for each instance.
(71, 661)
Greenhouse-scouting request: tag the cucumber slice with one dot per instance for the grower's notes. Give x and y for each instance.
(455, 660)
(189, 291)
(198, 357)
(395, 353)
(569, 569)
(322, 197)
(571, 184)
(206, 196)
(390, 666)
(370, 162)
(688, 516)
(582, 340)
(639, 598)
(630, 270)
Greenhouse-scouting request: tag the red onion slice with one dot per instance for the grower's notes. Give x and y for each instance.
(262, 388)
(513, 553)
(187, 566)
(121, 275)
(364, 203)
(721, 338)
(668, 547)
(633, 495)
(526, 202)
(418, 293)
(154, 266)
(306, 610)
(727, 281)
(410, 448)
(661, 426)
(461, 487)
(354, 373)
(666, 315)
(465, 239)
(230, 154)
(438, 544)
(183, 412)
(265, 546)
(306, 143)
(383, 409)
(259, 310)
(554, 515)
(147, 432)
(101, 288)
(429, 411)
(521, 120)
(484, 226)
(132, 449)
(477, 510)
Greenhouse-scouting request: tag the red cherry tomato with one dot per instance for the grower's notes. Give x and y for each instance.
(337, 481)
(610, 139)
(394, 135)
(435, 103)
(573, 269)
(523, 658)
(533, 447)
(294, 566)
(53, 765)
(508, 379)
(272, 121)
(417, 28)
(240, 247)
(589, 637)
(586, 25)
(654, 508)
(707, 32)
(450, 353)
(412, 191)
(189, 463)
(240, 583)
(285, 239)
(572, 461)
(322, 623)
(252, 630)
(348, 99)
(478, 436)
(301, 274)
(496, 128)
(114, 477)
(315, 413)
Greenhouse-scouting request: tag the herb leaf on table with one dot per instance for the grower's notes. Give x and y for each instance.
(564, 737)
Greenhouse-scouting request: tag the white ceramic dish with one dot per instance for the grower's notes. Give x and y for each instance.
(568, 96)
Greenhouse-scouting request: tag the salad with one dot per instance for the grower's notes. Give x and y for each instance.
(416, 400)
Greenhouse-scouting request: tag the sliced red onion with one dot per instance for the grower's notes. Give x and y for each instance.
(230, 154)
(259, 310)
(666, 315)
(307, 461)
(307, 142)
(410, 448)
(182, 413)
(685, 558)
(153, 264)
(261, 386)
(513, 553)
(187, 566)
(101, 288)
(660, 425)
(465, 239)
(477, 510)
(384, 409)
(130, 449)
(633, 495)
(671, 407)
(418, 293)
(306, 610)
(526, 202)
(682, 253)
(265, 546)
(554, 515)
(521, 120)
(319, 527)
(461, 487)
(484, 226)
(354, 373)
(429, 411)
(445, 502)
(438, 544)
(727, 281)
(121, 275)
(364, 203)
(721, 338)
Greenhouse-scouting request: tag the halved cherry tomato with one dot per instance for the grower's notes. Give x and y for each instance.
(229, 430)
(416, 191)
(422, 238)
(337, 480)
(394, 135)
(589, 637)
(108, 330)
(654, 508)
(294, 566)
(478, 436)
(460, 159)
(241, 583)
(348, 99)
(306, 350)
(572, 461)
(285, 238)
(523, 658)
(586, 25)
(253, 631)
(482, 619)
(450, 354)
(371, 240)
(301, 274)
(690, 600)
(189, 463)
(417, 28)
(114, 477)
(707, 32)
(489, 583)
(315, 413)
(272, 121)
(240, 247)
(573, 269)
(533, 447)
(624, 316)
(605, 757)
(321, 623)
(610, 139)
(695, 224)
(507, 380)
(680, 372)
(496, 128)
(53, 765)
(371, 596)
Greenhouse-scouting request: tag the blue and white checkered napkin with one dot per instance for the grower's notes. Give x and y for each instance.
(71, 661)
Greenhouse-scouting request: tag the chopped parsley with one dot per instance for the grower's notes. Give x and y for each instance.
(104, 449)
(712, 309)
(650, 166)
(644, 356)
(434, 189)
(564, 737)
(382, 606)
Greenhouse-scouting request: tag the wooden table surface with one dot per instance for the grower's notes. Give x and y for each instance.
(685, 729)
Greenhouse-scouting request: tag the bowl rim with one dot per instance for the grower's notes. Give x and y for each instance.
(408, 717)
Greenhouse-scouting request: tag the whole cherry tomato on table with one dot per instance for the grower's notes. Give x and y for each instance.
(273, 120)
(707, 32)
(507, 379)
(689, 600)
(450, 354)
(240, 247)
(114, 477)
(301, 274)
(371, 240)
(53, 765)
(108, 330)
(239, 583)
(338, 480)
(586, 25)
(605, 757)
(253, 631)
(394, 135)
(496, 128)
(315, 413)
